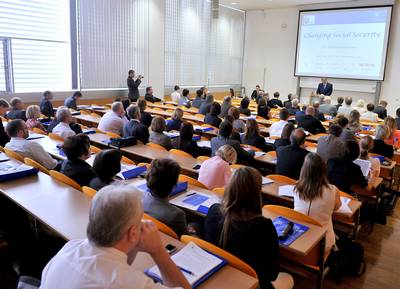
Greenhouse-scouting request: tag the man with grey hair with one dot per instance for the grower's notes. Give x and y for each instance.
(309, 123)
(64, 118)
(134, 127)
(327, 107)
(115, 234)
(114, 120)
(294, 107)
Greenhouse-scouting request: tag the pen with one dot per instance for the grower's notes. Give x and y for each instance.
(186, 271)
(191, 194)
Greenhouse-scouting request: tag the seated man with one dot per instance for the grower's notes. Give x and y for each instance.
(381, 110)
(290, 158)
(115, 233)
(161, 179)
(327, 107)
(317, 114)
(331, 146)
(370, 115)
(149, 95)
(17, 109)
(275, 102)
(18, 132)
(295, 107)
(309, 122)
(4, 138)
(276, 128)
(114, 120)
(77, 149)
(70, 102)
(64, 118)
(346, 109)
(134, 127)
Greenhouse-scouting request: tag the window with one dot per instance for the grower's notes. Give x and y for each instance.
(113, 38)
(2, 68)
(38, 34)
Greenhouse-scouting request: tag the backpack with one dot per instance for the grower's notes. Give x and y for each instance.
(347, 260)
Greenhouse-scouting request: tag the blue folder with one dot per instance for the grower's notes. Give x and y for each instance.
(204, 128)
(133, 173)
(89, 131)
(196, 137)
(7, 175)
(179, 188)
(280, 224)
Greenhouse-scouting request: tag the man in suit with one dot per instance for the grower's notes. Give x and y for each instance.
(317, 114)
(325, 87)
(275, 102)
(380, 110)
(256, 92)
(149, 95)
(70, 102)
(290, 158)
(309, 123)
(46, 107)
(133, 85)
(134, 127)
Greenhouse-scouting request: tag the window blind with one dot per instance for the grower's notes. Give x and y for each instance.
(2, 69)
(40, 43)
(113, 38)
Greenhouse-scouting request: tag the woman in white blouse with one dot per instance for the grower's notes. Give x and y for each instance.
(315, 197)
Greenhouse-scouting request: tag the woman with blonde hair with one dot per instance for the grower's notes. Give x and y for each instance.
(176, 120)
(32, 116)
(215, 172)
(157, 135)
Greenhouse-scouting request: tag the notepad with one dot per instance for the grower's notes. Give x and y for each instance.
(33, 135)
(344, 208)
(171, 134)
(266, 181)
(194, 259)
(364, 165)
(89, 131)
(130, 172)
(259, 154)
(3, 157)
(195, 201)
(286, 191)
(204, 143)
(268, 140)
(280, 224)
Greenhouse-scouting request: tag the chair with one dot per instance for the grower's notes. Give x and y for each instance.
(55, 137)
(3, 119)
(156, 146)
(113, 134)
(14, 155)
(2, 149)
(231, 259)
(199, 115)
(180, 153)
(272, 154)
(35, 164)
(191, 181)
(94, 149)
(64, 179)
(95, 115)
(253, 148)
(147, 165)
(39, 131)
(88, 191)
(161, 226)
(127, 161)
(219, 191)
(202, 158)
(282, 179)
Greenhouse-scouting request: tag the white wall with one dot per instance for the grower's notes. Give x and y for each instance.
(269, 46)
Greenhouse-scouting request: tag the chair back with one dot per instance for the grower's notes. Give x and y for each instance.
(88, 191)
(290, 213)
(191, 181)
(272, 154)
(219, 191)
(113, 134)
(55, 137)
(127, 161)
(180, 153)
(231, 259)
(14, 155)
(64, 179)
(2, 149)
(156, 146)
(202, 158)
(39, 131)
(253, 148)
(94, 149)
(35, 164)
(161, 226)
(282, 179)
(147, 165)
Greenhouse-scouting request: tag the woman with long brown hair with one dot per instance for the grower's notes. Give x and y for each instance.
(237, 225)
(252, 136)
(315, 197)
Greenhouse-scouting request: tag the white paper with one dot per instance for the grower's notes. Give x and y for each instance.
(344, 208)
(33, 135)
(171, 134)
(259, 154)
(271, 141)
(364, 165)
(204, 143)
(194, 259)
(266, 181)
(178, 200)
(287, 191)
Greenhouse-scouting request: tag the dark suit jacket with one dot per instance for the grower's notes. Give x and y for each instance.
(319, 115)
(78, 170)
(293, 111)
(243, 156)
(275, 102)
(4, 138)
(136, 129)
(133, 87)
(344, 173)
(281, 142)
(325, 91)
(146, 118)
(16, 114)
(254, 94)
(398, 122)
(287, 104)
(290, 160)
(151, 98)
(258, 142)
(98, 183)
(173, 124)
(381, 148)
(245, 111)
(197, 102)
(46, 107)
(381, 111)
(310, 124)
(263, 111)
(212, 120)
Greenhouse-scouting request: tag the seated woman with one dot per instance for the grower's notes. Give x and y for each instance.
(263, 109)
(212, 118)
(238, 124)
(107, 164)
(161, 178)
(186, 143)
(350, 126)
(77, 150)
(285, 136)
(244, 107)
(145, 117)
(238, 226)
(32, 118)
(343, 173)
(226, 105)
(315, 197)
(380, 147)
(252, 136)
(366, 146)
(157, 136)
(176, 120)
(393, 137)
(215, 172)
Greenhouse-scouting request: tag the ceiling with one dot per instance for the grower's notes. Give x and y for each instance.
(266, 4)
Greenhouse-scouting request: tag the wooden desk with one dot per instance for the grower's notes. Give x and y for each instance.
(87, 120)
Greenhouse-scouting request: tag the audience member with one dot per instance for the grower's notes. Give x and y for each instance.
(360, 106)
(145, 117)
(380, 110)
(114, 120)
(370, 115)
(310, 123)
(46, 107)
(380, 147)
(398, 118)
(205, 106)
(106, 165)
(288, 103)
(238, 226)
(284, 140)
(295, 107)
(255, 92)
(331, 146)
(238, 124)
(70, 102)
(339, 101)
(184, 99)
(186, 143)
(317, 114)
(276, 128)
(366, 146)
(134, 127)
(244, 107)
(74, 126)
(226, 105)
(32, 118)
(198, 100)
(64, 118)
(275, 102)
(263, 109)
(17, 109)
(157, 135)
(327, 107)
(393, 137)
(212, 118)
(149, 95)
(252, 136)
(176, 120)
(175, 95)
(346, 109)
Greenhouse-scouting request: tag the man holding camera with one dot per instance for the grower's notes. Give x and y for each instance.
(133, 85)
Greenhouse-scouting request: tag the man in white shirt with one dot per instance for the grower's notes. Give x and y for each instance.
(276, 128)
(175, 96)
(115, 234)
(346, 109)
(114, 120)
(64, 117)
(18, 132)
(370, 115)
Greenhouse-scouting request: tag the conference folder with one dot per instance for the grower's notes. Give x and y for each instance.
(178, 188)
(195, 201)
(196, 264)
(281, 223)
(11, 171)
(202, 128)
(130, 172)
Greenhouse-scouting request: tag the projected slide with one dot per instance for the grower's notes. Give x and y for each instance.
(344, 43)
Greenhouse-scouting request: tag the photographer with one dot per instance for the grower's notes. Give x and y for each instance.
(133, 85)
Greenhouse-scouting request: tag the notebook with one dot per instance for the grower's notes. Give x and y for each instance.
(364, 165)
(130, 172)
(280, 224)
(259, 154)
(204, 143)
(196, 264)
(286, 191)
(3, 157)
(344, 208)
(266, 181)
(195, 201)
(12, 171)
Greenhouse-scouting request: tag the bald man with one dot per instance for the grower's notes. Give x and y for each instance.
(309, 123)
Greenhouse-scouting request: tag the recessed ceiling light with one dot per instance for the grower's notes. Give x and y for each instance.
(234, 3)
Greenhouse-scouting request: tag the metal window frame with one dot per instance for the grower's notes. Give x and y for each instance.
(8, 67)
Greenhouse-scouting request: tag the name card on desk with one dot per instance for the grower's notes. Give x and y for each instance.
(195, 201)
(178, 188)
(33, 135)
